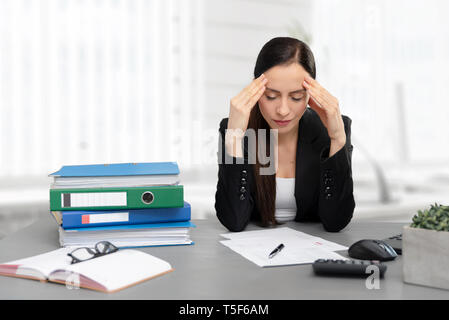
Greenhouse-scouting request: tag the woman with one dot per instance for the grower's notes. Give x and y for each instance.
(313, 179)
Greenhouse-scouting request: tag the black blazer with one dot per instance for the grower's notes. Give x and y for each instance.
(323, 185)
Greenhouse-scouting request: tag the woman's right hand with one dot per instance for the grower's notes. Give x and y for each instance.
(240, 110)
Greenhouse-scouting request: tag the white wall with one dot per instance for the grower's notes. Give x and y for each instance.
(372, 53)
(97, 82)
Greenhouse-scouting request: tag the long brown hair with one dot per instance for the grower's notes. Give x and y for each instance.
(277, 51)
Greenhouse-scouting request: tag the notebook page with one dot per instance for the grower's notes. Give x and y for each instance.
(121, 269)
(44, 263)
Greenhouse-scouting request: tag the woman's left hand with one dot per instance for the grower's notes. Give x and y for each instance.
(326, 105)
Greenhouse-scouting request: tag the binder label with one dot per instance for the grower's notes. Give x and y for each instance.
(105, 217)
(93, 199)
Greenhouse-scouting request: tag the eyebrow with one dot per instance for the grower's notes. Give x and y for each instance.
(296, 91)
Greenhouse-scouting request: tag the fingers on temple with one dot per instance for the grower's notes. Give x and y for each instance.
(249, 90)
(256, 89)
(252, 101)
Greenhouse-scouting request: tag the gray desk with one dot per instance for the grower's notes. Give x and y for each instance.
(208, 270)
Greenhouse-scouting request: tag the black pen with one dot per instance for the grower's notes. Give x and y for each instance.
(276, 251)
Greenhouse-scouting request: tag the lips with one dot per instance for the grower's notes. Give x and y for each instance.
(282, 123)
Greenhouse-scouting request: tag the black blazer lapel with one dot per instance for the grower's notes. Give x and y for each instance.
(307, 167)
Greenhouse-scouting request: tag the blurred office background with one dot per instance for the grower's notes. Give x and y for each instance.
(103, 81)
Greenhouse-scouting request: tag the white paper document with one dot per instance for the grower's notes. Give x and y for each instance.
(299, 247)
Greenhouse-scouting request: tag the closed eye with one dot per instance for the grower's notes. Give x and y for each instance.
(274, 97)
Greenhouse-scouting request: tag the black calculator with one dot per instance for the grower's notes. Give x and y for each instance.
(348, 268)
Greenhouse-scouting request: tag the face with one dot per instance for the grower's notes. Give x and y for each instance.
(285, 99)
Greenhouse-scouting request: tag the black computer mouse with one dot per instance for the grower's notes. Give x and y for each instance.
(368, 249)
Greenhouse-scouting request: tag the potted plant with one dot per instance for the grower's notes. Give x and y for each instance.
(425, 248)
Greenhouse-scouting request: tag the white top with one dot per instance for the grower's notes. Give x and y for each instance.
(285, 200)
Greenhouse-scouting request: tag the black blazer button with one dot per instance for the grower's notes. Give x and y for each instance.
(327, 189)
(243, 181)
(242, 196)
(328, 196)
(244, 173)
(242, 189)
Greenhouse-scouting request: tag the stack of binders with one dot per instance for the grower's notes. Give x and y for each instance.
(127, 204)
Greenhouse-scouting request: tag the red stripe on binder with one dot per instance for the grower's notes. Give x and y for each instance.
(85, 219)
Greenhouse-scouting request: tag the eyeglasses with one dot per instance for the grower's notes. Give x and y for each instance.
(101, 248)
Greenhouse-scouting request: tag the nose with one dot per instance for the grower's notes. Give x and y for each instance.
(283, 108)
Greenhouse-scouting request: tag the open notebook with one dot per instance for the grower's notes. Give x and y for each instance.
(108, 273)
